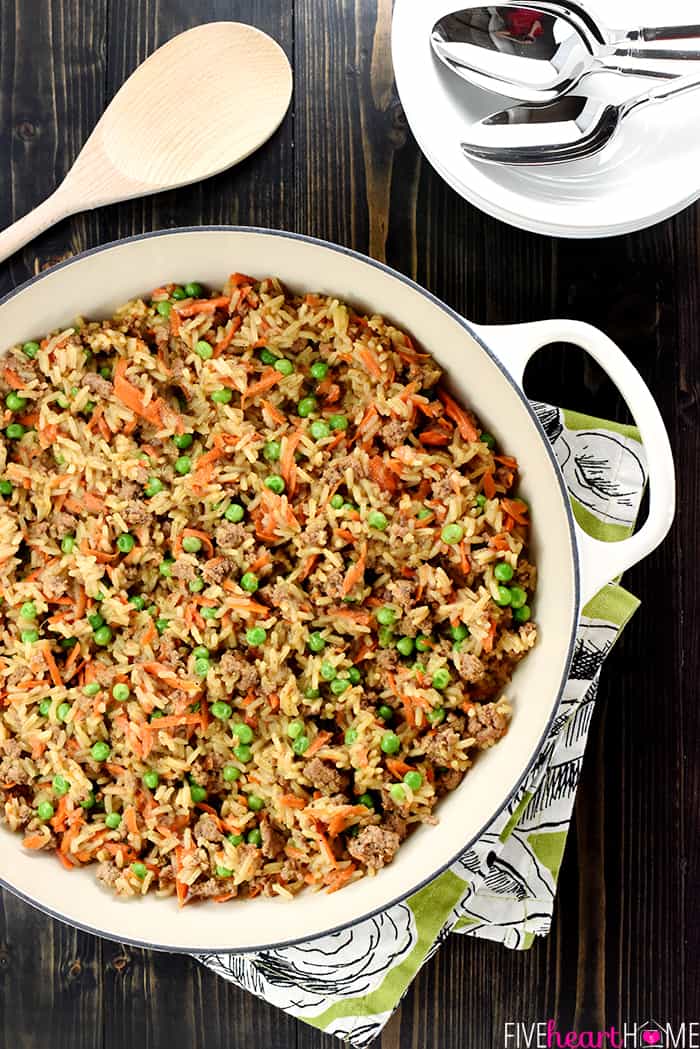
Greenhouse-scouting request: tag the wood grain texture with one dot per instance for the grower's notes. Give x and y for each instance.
(625, 942)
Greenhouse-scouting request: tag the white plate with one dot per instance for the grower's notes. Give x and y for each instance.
(648, 173)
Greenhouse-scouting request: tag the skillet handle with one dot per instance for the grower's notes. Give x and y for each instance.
(600, 562)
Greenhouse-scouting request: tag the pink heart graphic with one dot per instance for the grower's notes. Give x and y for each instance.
(651, 1037)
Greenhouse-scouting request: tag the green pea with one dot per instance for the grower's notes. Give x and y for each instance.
(183, 465)
(15, 431)
(267, 357)
(157, 714)
(153, 486)
(89, 802)
(301, 745)
(178, 293)
(164, 308)
(235, 839)
(195, 586)
(28, 610)
(243, 732)
(503, 572)
(30, 349)
(385, 712)
(68, 642)
(112, 820)
(96, 620)
(390, 743)
(295, 728)
(254, 837)
(284, 367)
(150, 779)
(518, 597)
(397, 793)
(351, 736)
(488, 440)
(256, 636)
(424, 514)
(355, 675)
(60, 786)
(193, 290)
(522, 614)
(100, 750)
(338, 422)
(161, 625)
(126, 543)
(234, 512)
(452, 533)
(307, 406)
(336, 501)
(204, 350)
(255, 803)
(182, 441)
(414, 780)
(272, 451)
(5, 488)
(503, 596)
(376, 519)
(459, 632)
(386, 615)
(121, 692)
(481, 500)
(319, 429)
(223, 872)
(197, 793)
(138, 602)
(243, 752)
(223, 396)
(44, 811)
(138, 869)
(201, 667)
(348, 508)
(209, 612)
(200, 652)
(230, 773)
(92, 688)
(339, 685)
(386, 637)
(249, 582)
(191, 544)
(328, 671)
(317, 641)
(367, 800)
(424, 643)
(103, 636)
(45, 707)
(405, 645)
(15, 403)
(221, 710)
(166, 568)
(29, 637)
(311, 693)
(275, 483)
(63, 711)
(106, 372)
(436, 715)
(441, 679)
(319, 370)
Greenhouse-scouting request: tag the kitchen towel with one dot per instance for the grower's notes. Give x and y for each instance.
(349, 983)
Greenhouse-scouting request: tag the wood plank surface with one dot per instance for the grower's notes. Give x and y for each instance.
(625, 942)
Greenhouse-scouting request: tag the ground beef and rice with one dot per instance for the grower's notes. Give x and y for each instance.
(263, 584)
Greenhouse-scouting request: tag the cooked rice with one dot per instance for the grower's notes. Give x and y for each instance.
(306, 775)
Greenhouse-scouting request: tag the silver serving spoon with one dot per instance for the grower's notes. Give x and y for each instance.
(572, 128)
(542, 50)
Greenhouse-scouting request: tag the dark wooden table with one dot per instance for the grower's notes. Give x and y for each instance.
(625, 942)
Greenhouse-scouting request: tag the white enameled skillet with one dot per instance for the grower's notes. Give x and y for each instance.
(485, 368)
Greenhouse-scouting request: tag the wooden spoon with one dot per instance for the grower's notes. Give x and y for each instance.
(199, 104)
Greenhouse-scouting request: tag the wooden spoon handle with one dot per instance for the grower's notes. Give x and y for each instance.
(50, 211)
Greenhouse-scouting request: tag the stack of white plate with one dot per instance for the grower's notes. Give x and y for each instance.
(650, 171)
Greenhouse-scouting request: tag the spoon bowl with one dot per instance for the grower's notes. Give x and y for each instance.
(201, 103)
(539, 52)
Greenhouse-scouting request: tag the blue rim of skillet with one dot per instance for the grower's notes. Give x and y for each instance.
(465, 846)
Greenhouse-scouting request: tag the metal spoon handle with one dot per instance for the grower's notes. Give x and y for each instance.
(679, 86)
(670, 32)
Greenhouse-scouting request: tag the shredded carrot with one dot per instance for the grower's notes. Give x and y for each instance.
(308, 566)
(288, 468)
(291, 801)
(435, 437)
(64, 861)
(460, 416)
(269, 378)
(369, 359)
(34, 841)
(173, 721)
(155, 411)
(260, 562)
(325, 847)
(238, 280)
(464, 559)
(488, 641)
(356, 572)
(341, 878)
(202, 306)
(150, 634)
(489, 485)
(398, 768)
(225, 342)
(516, 509)
(382, 474)
(13, 379)
(320, 741)
(269, 409)
(51, 664)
